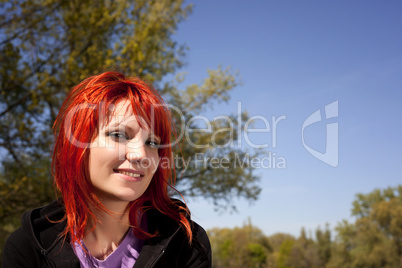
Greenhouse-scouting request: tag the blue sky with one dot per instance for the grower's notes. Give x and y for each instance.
(294, 58)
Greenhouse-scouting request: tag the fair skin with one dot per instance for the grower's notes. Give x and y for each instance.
(122, 161)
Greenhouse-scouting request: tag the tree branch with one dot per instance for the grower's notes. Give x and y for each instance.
(17, 103)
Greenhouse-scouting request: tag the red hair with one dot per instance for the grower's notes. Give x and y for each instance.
(83, 112)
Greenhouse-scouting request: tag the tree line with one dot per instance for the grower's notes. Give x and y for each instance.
(373, 240)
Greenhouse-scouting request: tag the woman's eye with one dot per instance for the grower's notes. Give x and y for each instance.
(153, 144)
(118, 135)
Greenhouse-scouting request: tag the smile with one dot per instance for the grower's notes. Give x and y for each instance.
(131, 174)
(135, 175)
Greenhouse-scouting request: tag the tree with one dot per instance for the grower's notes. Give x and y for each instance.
(256, 255)
(323, 238)
(341, 249)
(304, 253)
(276, 241)
(374, 240)
(246, 246)
(284, 254)
(48, 46)
(384, 209)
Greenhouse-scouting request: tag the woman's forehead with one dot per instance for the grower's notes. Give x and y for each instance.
(122, 114)
(122, 107)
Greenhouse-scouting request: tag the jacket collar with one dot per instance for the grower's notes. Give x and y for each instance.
(44, 226)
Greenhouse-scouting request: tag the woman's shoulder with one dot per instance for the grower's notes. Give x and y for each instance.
(174, 242)
(28, 242)
(201, 247)
(44, 223)
(19, 250)
(199, 234)
(184, 253)
(196, 253)
(39, 219)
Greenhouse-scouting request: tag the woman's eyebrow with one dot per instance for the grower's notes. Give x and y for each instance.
(154, 136)
(124, 125)
(116, 124)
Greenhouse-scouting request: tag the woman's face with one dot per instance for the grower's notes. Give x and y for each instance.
(123, 158)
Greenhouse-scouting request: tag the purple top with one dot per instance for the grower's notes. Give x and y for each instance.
(124, 256)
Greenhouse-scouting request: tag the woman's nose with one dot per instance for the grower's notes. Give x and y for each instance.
(136, 152)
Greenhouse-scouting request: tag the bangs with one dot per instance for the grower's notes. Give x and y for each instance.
(151, 112)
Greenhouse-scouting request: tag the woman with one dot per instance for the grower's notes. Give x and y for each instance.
(112, 164)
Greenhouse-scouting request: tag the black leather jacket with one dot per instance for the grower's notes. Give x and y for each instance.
(38, 242)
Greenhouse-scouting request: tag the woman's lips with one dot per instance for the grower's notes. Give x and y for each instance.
(129, 174)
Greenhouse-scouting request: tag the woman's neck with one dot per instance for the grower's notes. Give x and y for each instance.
(109, 231)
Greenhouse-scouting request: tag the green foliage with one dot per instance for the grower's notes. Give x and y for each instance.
(284, 253)
(375, 239)
(256, 255)
(324, 242)
(239, 247)
(277, 239)
(300, 252)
